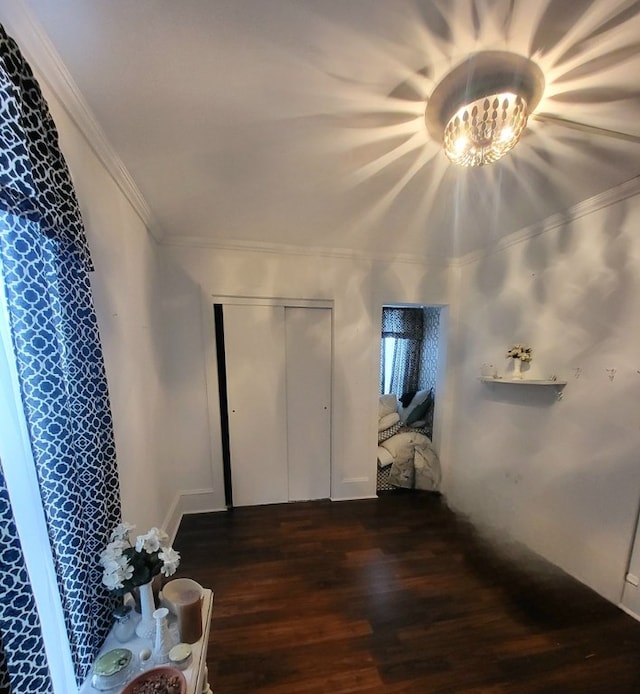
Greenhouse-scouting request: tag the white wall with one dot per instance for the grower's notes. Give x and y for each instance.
(358, 289)
(127, 295)
(560, 476)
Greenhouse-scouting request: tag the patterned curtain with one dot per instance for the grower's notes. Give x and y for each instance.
(429, 356)
(406, 323)
(406, 326)
(21, 647)
(45, 262)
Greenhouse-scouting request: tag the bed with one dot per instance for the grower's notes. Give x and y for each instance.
(406, 458)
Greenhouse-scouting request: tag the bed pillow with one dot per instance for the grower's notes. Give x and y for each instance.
(388, 421)
(409, 404)
(388, 433)
(419, 413)
(384, 457)
(387, 404)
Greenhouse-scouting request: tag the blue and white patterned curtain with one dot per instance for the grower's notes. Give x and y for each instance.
(406, 327)
(19, 625)
(45, 263)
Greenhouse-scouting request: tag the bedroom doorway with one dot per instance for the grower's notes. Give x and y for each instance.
(411, 346)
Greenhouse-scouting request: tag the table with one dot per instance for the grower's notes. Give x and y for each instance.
(196, 674)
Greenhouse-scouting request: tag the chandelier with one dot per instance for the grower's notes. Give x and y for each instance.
(479, 110)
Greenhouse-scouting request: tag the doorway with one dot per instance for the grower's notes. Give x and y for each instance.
(410, 353)
(411, 367)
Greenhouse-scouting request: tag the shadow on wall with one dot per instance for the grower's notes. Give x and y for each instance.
(536, 589)
(579, 513)
(559, 277)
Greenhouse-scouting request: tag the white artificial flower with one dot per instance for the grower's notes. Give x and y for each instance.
(111, 565)
(111, 580)
(107, 557)
(163, 538)
(126, 571)
(119, 574)
(152, 541)
(521, 352)
(148, 542)
(121, 531)
(122, 562)
(170, 559)
(110, 554)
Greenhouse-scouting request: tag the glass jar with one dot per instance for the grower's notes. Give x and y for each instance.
(180, 656)
(112, 669)
(125, 626)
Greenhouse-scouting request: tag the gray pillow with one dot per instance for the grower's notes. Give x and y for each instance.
(419, 413)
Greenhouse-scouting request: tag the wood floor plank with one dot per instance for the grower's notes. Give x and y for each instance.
(395, 595)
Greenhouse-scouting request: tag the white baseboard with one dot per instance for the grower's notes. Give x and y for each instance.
(338, 499)
(352, 488)
(205, 501)
(631, 613)
(189, 501)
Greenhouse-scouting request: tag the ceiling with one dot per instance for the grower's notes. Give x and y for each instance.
(300, 123)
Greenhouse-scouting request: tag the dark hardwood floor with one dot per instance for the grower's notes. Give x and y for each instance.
(394, 595)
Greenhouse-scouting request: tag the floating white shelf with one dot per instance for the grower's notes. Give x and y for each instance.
(558, 385)
(523, 381)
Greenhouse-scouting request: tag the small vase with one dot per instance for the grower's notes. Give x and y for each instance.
(125, 625)
(156, 584)
(146, 627)
(517, 369)
(163, 643)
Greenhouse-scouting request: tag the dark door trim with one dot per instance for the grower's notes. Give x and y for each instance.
(224, 405)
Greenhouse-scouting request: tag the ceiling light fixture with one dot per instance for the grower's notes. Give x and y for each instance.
(479, 110)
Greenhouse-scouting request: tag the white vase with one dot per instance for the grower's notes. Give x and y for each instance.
(517, 369)
(146, 628)
(163, 642)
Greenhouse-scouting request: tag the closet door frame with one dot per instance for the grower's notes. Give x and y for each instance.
(217, 495)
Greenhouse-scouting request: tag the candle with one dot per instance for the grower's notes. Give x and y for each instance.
(188, 607)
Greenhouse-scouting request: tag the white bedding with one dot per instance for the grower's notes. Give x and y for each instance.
(415, 464)
(388, 421)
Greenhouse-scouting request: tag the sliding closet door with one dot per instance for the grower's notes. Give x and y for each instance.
(255, 358)
(308, 369)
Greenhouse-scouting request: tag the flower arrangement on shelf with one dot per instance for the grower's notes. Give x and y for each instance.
(521, 352)
(128, 564)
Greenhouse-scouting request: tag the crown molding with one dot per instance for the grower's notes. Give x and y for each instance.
(310, 251)
(46, 62)
(623, 191)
